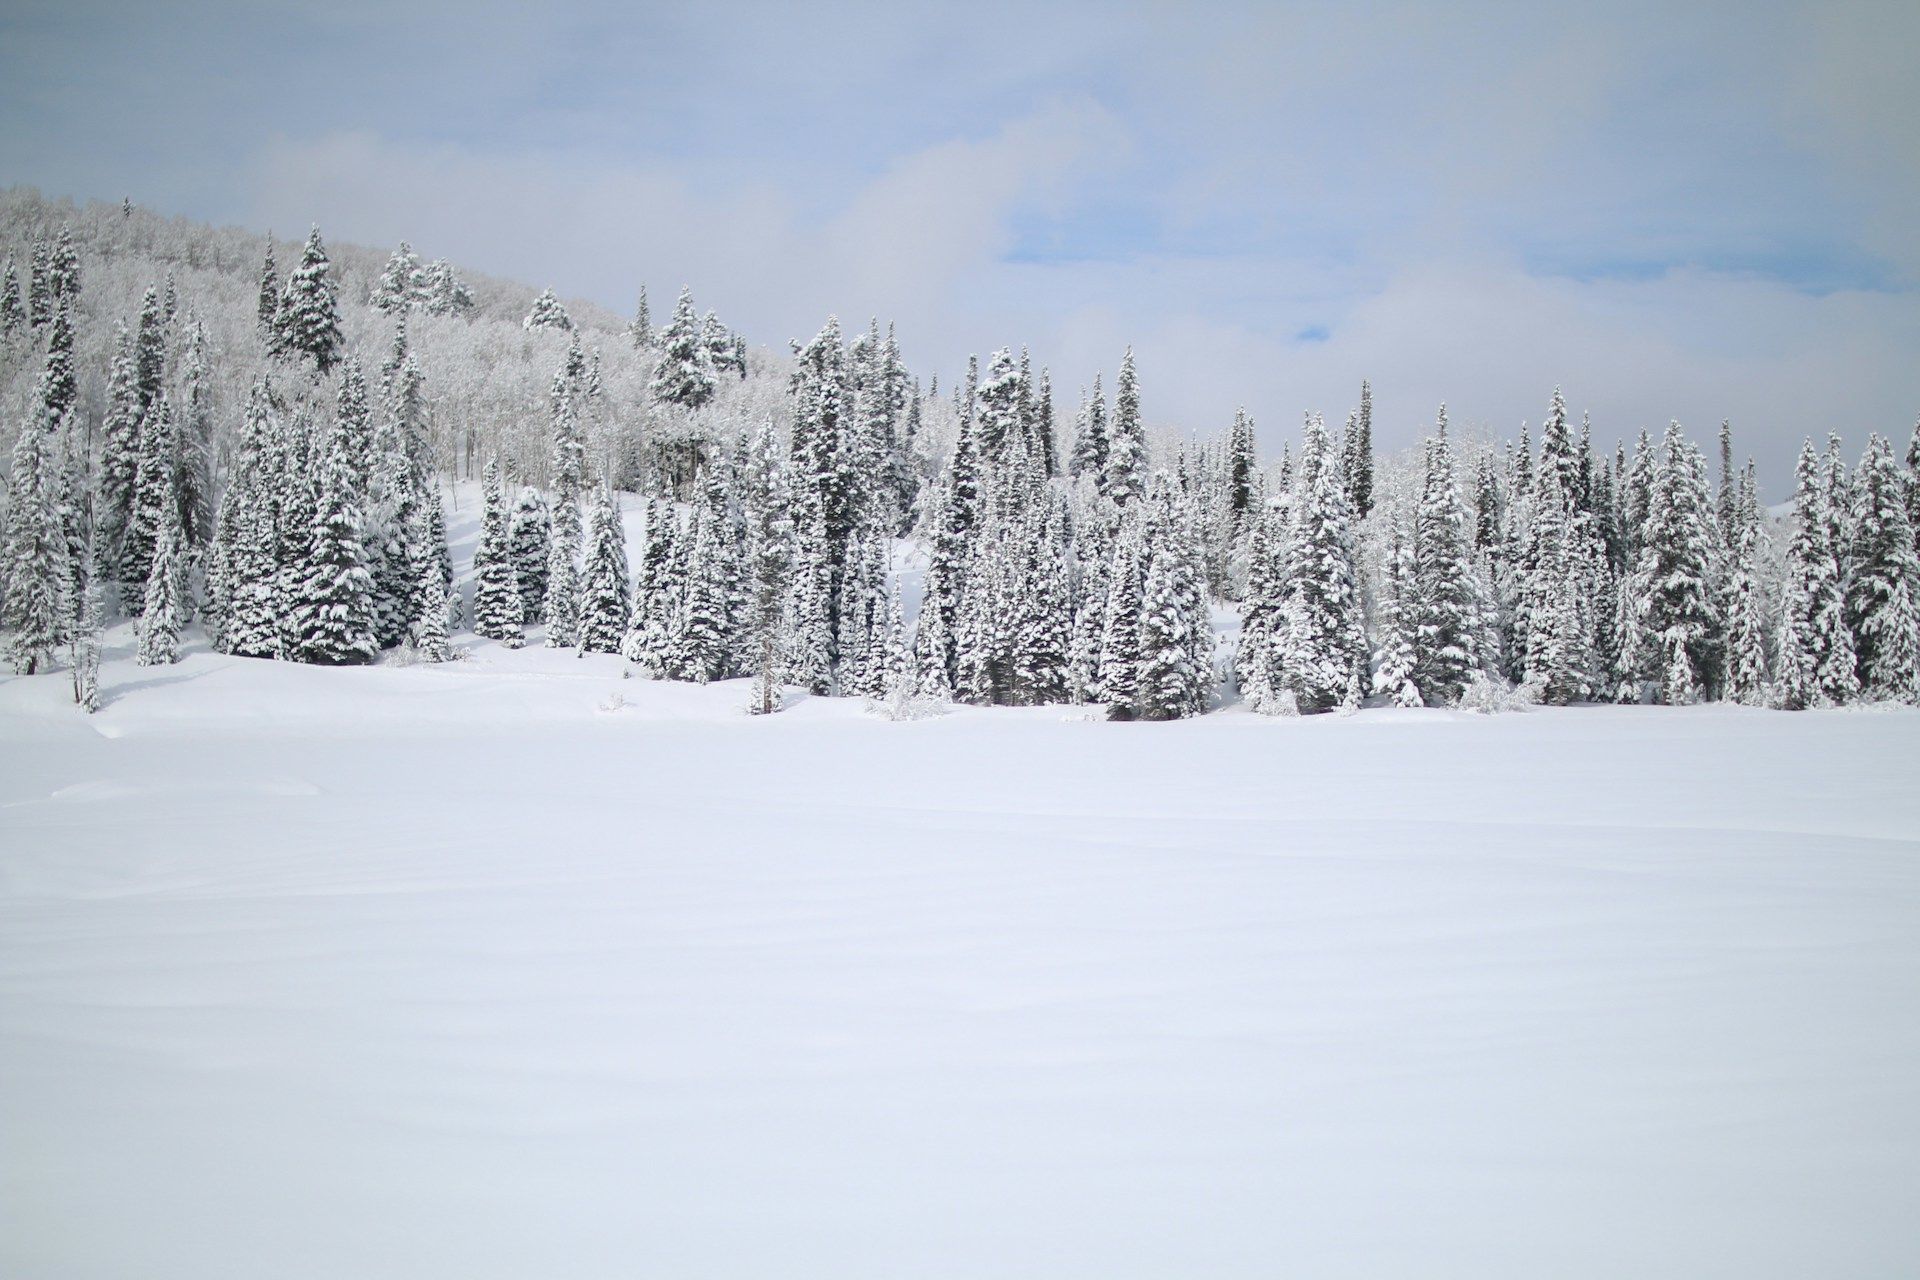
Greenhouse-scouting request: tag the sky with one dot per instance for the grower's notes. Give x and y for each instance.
(1671, 211)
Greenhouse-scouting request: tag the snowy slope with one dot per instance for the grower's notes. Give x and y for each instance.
(457, 972)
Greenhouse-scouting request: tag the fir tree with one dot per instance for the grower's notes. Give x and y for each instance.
(88, 624)
(402, 282)
(194, 444)
(1393, 675)
(562, 605)
(603, 587)
(160, 616)
(13, 311)
(700, 640)
(1816, 650)
(1167, 678)
(430, 640)
(496, 602)
(336, 600)
(684, 374)
(1090, 437)
(1883, 592)
(1126, 468)
(1120, 643)
(1326, 641)
(267, 310)
(1444, 598)
(547, 313)
(37, 572)
(442, 293)
(1747, 678)
(640, 328)
(529, 542)
(306, 327)
(156, 496)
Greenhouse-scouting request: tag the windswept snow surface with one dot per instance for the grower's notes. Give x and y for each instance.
(466, 972)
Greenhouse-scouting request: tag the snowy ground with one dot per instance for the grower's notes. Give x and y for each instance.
(452, 972)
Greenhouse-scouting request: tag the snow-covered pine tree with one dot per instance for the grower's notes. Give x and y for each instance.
(561, 608)
(1167, 678)
(496, 601)
(1883, 591)
(1120, 642)
(88, 623)
(1126, 468)
(1444, 598)
(63, 270)
(156, 497)
(529, 541)
(701, 641)
(807, 629)
(267, 310)
(1360, 468)
(1089, 457)
(547, 313)
(13, 310)
(640, 328)
(195, 440)
(683, 375)
(160, 619)
(38, 576)
(306, 328)
(1747, 678)
(431, 642)
(402, 283)
(1326, 641)
(442, 292)
(336, 612)
(603, 584)
(1393, 675)
(1815, 643)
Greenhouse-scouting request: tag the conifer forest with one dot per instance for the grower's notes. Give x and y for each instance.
(211, 446)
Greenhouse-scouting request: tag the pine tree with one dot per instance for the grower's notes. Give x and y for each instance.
(1360, 464)
(1326, 640)
(1816, 650)
(640, 328)
(1167, 678)
(443, 293)
(401, 283)
(63, 271)
(1120, 643)
(1747, 666)
(529, 543)
(37, 572)
(1444, 597)
(307, 324)
(430, 640)
(547, 313)
(267, 311)
(1090, 438)
(88, 624)
(684, 374)
(496, 602)
(13, 310)
(1883, 592)
(194, 444)
(39, 289)
(62, 390)
(1126, 468)
(701, 640)
(603, 587)
(1393, 675)
(156, 496)
(336, 611)
(562, 605)
(160, 618)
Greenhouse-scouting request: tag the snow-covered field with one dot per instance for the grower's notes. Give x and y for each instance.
(466, 972)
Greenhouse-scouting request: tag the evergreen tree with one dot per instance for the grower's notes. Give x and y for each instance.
(40, 300)
(37, 573)
(442, 292)
(547, 313)
(640, 328)
(529, 543)
(307, 324)
(1883, 592)
(1326, 638)
(1393, 674)
(336, 611)
(1816, 650)
(194, 444)
(1444, 597)
(603, 587)
(402, 283)
(1120, 644)
(160, 616)
(63, 271)
(13, 310)
(62, 390)
(1090, 438)
(496, 602)
(1126, 469)
(430, 640)
(700, 640)
(1167, 679)
(1747, 678)
(89, 623)
(156, 497)
(1360, 465)
(562, 605)
(684, 374)
(267, 311)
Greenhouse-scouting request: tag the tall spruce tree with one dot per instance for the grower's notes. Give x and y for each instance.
(306, 328)
(683, 375)
(496, 602)
(34, 590)
(603, 586)
(336, 610)
(1883, 591)
(1126, 465)
(1444, 599)
(160, 615)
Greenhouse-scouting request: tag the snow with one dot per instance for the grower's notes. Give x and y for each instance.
(472, 971)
